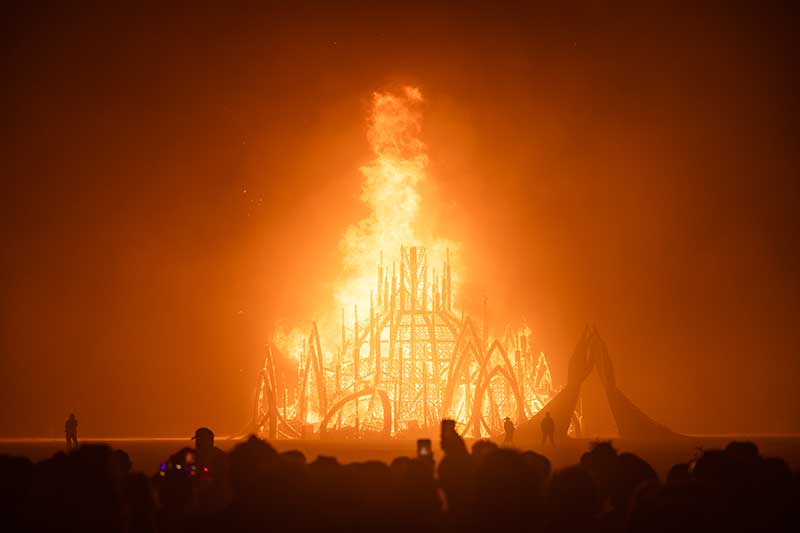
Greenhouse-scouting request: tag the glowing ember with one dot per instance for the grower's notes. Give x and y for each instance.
(404, 359)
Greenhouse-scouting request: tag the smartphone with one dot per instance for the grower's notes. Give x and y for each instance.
(424, 448)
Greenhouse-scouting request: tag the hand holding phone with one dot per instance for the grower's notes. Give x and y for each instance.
(424, 449)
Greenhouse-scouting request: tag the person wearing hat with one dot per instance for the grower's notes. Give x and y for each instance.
(508, 426)
(211, 464)
(204, 444)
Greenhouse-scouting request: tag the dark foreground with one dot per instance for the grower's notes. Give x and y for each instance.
(698, 484)
(147, 453)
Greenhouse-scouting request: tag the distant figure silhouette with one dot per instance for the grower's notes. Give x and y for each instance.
(208, 455)
(548, 429)
(211, 483)
(71, 431)
(509, 429)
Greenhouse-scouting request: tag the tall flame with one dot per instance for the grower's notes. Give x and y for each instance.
(391, 190)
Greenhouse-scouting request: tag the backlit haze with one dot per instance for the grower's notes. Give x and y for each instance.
(392, 185)
(181, 188)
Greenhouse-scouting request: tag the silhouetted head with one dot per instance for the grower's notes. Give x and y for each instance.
(547, 414)
(122, 461)
(744, 452)
(324, 465)
(631, 473)
(294, 461)
(573, 493)
(294, 456)
(398, 468)
(601, 450)
(481, 449)
(538, 462)
(776, 473)
(72, 416)
(601, 462)
(718, 467)
(451, 441)
(502, 468)
(249, 461)
(679, 473)
(91, 490)
(204, 438)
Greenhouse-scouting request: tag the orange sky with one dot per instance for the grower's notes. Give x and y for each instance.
(177, 184)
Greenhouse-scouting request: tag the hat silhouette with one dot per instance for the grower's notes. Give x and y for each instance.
(203, 432)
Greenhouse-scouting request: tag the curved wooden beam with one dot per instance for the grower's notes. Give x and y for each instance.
(387, 409)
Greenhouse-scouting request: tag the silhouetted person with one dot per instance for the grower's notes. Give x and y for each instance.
(93, 489)
(211, 484)
(508, 426)
(71, 431)
(141, 509)
(601, 462)
(679, 473)
(573, 501)
(456, 475)
(207, 453)
(482, 449)
(548, 429)
(504, 497)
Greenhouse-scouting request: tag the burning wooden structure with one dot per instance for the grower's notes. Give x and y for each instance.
(404, 365)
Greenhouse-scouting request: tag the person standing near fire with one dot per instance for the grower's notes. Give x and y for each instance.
(71, 431)
(508, 426)
(548, 429)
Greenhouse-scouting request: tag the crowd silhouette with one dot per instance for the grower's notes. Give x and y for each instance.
(255, 488)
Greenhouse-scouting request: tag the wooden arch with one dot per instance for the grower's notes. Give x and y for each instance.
(481, 392)
(369, 391)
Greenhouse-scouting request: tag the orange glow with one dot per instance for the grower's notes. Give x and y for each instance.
(406, 358)
(391, 190)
